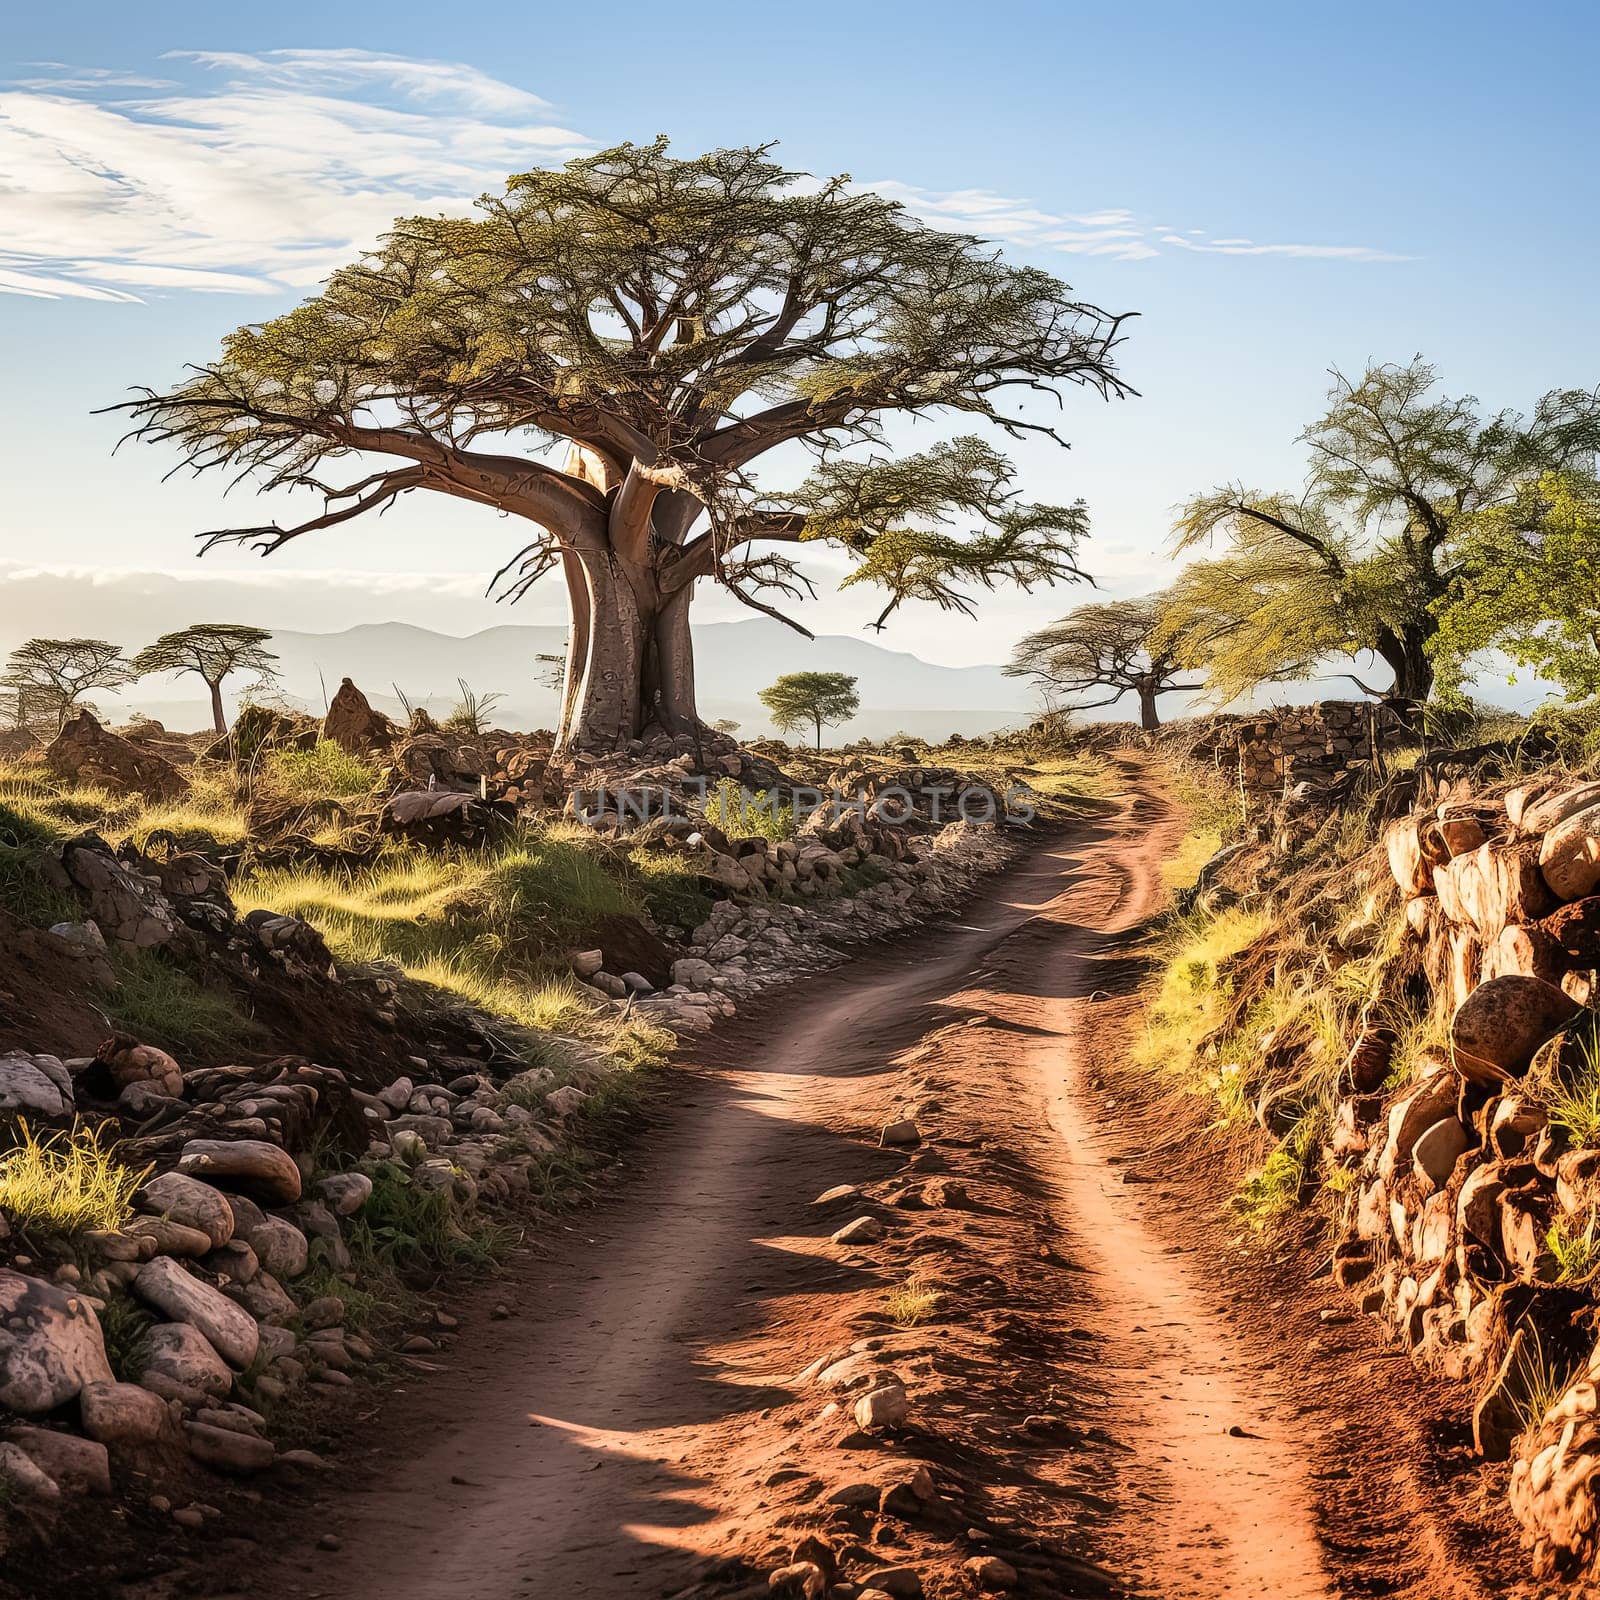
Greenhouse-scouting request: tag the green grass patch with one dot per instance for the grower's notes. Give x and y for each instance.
(124, 1324)
(412, 1228)
(1575, 1250)
(742, 814)
(495, 913)
(1189, 998)
(670, 888)
(327, 771)
(160, 1002)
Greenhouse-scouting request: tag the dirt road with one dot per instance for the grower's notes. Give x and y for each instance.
(639, 1425)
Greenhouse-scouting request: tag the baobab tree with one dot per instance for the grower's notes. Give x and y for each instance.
(1107, 646)
(49, 678)
(665, 323)
(213, 652)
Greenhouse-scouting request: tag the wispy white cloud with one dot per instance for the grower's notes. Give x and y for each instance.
(264, 176)
(265, 171)
(1307, 252)
(1103, 232)
(447, 82)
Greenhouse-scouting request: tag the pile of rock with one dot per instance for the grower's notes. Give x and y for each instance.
(215, 1262)
(87, 753)
(1272, 751)
(1472, 1204)
(747, 946)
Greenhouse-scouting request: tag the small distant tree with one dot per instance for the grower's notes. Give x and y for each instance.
(51, 677)
(803, 699)
(213, 652)
(726, 724)
(1108, 646)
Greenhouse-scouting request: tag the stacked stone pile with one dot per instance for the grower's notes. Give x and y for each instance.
(1273, 751)
(236, 1234)
(750, 944)
(1472, 1200)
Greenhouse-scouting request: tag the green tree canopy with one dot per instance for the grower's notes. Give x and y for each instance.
(49, 678)
(1359, 561)
(668, 322)
(213, 652)
(1107, 646)
(807, 699)
(1528, 584)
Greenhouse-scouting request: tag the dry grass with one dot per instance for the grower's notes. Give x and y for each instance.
(66, 1182)
(912, 1302)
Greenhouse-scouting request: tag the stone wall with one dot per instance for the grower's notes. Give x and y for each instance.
(1273, 750)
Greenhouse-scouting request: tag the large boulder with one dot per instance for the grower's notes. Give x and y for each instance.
(262, 1170)
(194, 1204)
(124, 905)
(89, 754)
(72, 1462)
(164, 1284)
(129, 1061)
(1548, 811)
(1412, 853)
(1500, 1025)
(1569, 858)
(1491, 887)
(178, 1359)
(353, 725)
(27, 1087)
(50, 1345)
(121, 1413)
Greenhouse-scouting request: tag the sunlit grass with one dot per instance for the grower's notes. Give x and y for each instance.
(327, 771)
(912, 1302)
(66, 1182)
(487, 916)
(1190, 995)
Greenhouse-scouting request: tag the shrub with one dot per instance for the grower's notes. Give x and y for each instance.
(1575, 1253)
(743, 815)
(124, 1324)
(66, 1182)
(412, 1229)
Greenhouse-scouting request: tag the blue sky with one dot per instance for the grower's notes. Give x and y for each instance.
(1274, 189)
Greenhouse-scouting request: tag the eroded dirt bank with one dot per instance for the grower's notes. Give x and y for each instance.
(1094, 1405)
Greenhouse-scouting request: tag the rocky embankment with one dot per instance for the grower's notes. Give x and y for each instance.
(1473, 1163)
(138, 1358)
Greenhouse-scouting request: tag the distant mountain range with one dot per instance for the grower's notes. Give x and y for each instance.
(734, 660)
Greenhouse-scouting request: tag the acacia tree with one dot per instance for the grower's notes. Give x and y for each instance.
(802, 699)
(1107, 646)
(1529, 584)
(213, 652)
(1360, 561)
(670, 322)
(50, 677)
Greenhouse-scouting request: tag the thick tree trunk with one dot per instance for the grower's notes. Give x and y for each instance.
(1148, 719)
(1406, 655)
(630, 657)
(218, 720)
